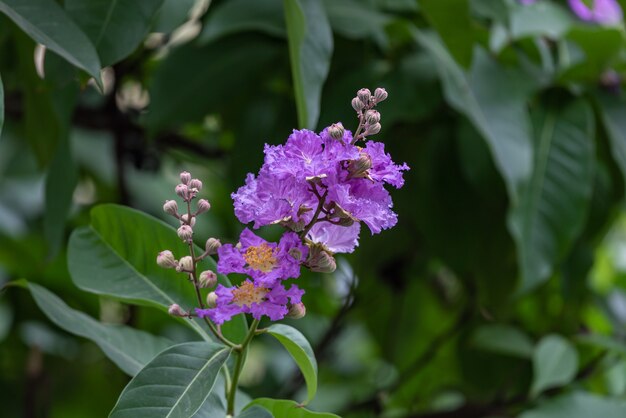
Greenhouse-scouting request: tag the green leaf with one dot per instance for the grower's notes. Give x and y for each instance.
(280, 408)
(357, 20)
(552, 208)
(255, 411)
(542, 18)
(172, 15)
(555, 362)
(116, 256)
(310, 49)
(48, 24)
(613, 114)
(502, 120)
(578, 405)
(215, 405)
(128, 348)
(244, 15)
(175, 384)
(1, 106)
(301, 351)
(503, 339)
(455, 28)
(603, 341)
(115, 27)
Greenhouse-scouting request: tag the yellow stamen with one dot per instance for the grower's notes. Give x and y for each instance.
(247, 294)
(262, 257)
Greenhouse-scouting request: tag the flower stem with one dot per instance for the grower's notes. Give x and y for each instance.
(320, 207)
(240, 353)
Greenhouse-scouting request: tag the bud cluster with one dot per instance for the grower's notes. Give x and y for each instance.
(369, 119)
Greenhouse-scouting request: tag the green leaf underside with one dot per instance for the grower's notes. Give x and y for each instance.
(175, 384)
(128, 348)
(503, 339)
(552, 208)
(287, 409)
(310, 49)
(578, 405)
(555, 362)
(215, 405)
(302, 353)
(48, 24)
(116, 27)
(116, 256)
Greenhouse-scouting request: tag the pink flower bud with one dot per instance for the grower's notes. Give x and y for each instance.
(359, 168)
(320, 260)
(170, 207)
(380, 94)
(297, 311)
(185, 264)
(357, 104)
(373, 129)
(166, 260)
(185, 177)
(182, 191)
(372, 117)
(336, 131)
(185, 233)
(212, 245)
(184, 220)
(211, 300)
(195, 184)
(203, 206)
(176, 310)
(364, 95)
(207, 278)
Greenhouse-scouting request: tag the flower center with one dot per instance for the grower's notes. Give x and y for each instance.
(247, 294)
(261, 257)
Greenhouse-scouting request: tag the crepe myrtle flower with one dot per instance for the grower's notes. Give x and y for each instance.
(252, 298)
(265, 262)
(603, 12)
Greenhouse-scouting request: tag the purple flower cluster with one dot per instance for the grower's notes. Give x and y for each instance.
(604, 12)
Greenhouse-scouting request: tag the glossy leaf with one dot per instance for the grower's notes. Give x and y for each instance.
(116, 256)
(244, 15)
(48, 24)
(128, 348)
(175, 384)
(301, 351)
(255, 411)
(451, 19)
(280, 408)
(555, 362)
(552, 208)
(116, 27)
(215, 405)
(503, 339)
(310, 49)
(172, 15)
(614, 118)
(578, 405)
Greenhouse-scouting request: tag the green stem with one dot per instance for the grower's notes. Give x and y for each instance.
(320, 206)
(240, 353)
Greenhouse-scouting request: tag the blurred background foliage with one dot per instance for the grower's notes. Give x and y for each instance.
(501, 292)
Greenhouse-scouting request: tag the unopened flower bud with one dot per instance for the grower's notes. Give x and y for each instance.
(212, 245)
(358, 168)
(380, 94)
(170, 207)
(176, 310)
(184, 220)
(207, 278)
(340, 216)
(373, 129)
(336, 131)
(185, 264)
(185, 233)
(372, 116)
(195, 184)
(297, 311)
(203, 206)
(211, 300)
(364, 95)
(166, 260)
(185, 177)
(357, 104)
(320, 260)
(296, 253)
(182, 191)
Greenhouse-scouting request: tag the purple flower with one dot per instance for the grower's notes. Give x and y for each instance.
(383, 167)
(336, 239)
(604, 12)
(266, 262)
(253, 299)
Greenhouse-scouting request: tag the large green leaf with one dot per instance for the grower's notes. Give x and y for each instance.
(174, 384)
(502, 119)
(455, 28)
(48, 24)
(542, 18)
(116, 27)
(1, 106)
(301, 351)
(578, 405)
(310, 49)
(280, 408)
(613, 114)
(555, 362)
(116, 256)
(244, 15)
(255, 411)
(128, 348)
(552, 208)
(503, 339)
